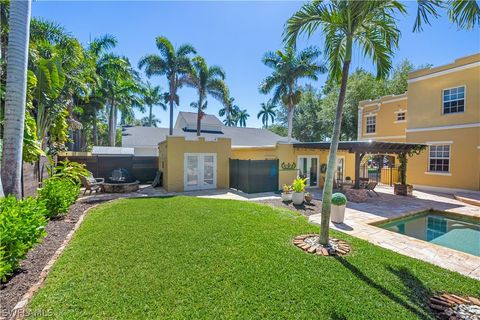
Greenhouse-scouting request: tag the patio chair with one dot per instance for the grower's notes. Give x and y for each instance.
(91, 184)
(371, 186)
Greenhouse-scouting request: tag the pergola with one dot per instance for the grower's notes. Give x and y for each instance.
(361, 148)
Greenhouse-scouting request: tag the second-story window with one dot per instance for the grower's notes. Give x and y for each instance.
(371, 124)
(454, 100)
(439, 158)
(401, 116)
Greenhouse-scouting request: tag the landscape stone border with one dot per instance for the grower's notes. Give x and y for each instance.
(452, 307)
(309, 243)
(19, 312)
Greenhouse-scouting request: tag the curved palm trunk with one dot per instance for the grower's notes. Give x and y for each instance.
(15, 98)
(332, 157)
(290, 122)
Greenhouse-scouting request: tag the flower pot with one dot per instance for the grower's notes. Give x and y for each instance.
(286, 196)
(308, 198)
(337, 213)
(298, 198)
(402, 189)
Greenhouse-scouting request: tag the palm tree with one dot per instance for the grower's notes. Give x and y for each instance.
(207, 81)
(15, 96)
(172, 63)
(464, 13)
(152, 96)
(241, 117)
(369, 26)
(266, 112)
(288, 67)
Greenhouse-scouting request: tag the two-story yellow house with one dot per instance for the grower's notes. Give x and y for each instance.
(441, 109)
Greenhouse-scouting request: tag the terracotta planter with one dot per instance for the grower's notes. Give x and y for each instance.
(298, 198)
(337, 213)
(286, 197)
(402, 189)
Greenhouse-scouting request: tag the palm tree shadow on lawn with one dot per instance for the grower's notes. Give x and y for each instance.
(413, 289)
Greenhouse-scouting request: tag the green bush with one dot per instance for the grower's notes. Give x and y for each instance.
(58, 195)
(339, 199)
(22, 224)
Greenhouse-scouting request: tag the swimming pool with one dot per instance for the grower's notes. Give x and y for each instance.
(442, 228)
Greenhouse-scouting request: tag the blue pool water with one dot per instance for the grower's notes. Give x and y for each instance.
(440, 228)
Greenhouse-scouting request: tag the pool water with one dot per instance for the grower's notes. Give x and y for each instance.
(450, 231)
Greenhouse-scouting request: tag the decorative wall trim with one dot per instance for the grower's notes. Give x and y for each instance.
(444, 72)
(432, 173)
(438, 142)
(386, 137)
(458, 126)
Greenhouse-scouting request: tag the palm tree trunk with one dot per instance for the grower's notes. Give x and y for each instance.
(15, 98)
(172, 97)
(150, 116)
(290, 122)
(332, 157)
(95, 130)
(199, 116)
(112, 124)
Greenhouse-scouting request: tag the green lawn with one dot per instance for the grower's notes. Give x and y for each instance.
(196, 258)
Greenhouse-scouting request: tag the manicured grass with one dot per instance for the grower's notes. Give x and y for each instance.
(178, 258)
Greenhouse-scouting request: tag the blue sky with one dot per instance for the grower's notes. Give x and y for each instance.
(233, 35)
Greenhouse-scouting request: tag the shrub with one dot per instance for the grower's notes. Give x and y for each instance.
(339, 199)
(299, 184)
(58, 195)
(22, 224)
(287, 188)
(69, 170)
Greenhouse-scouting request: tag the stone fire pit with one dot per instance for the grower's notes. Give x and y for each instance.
(124, 187)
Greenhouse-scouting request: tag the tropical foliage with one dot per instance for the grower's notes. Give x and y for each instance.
(267, 112)
(288, 67)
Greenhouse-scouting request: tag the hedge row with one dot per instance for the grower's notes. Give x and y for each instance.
(22, 222)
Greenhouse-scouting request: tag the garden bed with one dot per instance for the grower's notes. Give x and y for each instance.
(28, 274)
(306, 209)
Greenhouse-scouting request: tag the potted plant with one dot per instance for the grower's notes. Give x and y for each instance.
(337, 211)
(308, 197)
(298, 186)
(287, 193)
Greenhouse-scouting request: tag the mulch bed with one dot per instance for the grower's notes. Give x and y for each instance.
(306, 209)
(29, 272)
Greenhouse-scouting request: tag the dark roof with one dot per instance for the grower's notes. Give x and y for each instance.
(362, 146)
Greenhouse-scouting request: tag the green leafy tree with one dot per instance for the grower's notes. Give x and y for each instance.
(267, 111)
(207, 81)
(172, 63)
(369, 26)
(289, 67)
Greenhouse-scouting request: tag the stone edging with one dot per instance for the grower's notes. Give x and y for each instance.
(19, 311)
(309, 243)
(450, 306)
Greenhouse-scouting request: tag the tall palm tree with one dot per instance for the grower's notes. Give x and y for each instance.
(152, 96)
(289, 67)
(172, 63)
(369, 26)
(15, 96)
(241, 118)
(207, 81)
(266, 112)
(229, 111)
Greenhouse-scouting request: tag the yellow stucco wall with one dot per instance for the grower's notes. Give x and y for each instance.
(464, 159)
(171, 153)
(387, 127)
(286, 153)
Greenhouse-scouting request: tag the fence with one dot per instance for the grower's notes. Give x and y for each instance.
(253, 176)
(385, 175)
(143, 169)
(32, 176)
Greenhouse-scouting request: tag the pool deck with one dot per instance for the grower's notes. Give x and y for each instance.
(360, 216)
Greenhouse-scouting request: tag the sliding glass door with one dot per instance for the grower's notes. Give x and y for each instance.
(308, 168)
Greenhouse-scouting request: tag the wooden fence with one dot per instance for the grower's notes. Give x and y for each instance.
(32, 176)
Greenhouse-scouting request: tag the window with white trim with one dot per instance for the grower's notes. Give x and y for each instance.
(454, 100)
(439, 158)
(401, 116)
(371, 124)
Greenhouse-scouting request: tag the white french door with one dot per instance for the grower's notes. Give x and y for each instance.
(308, 168)
(200, 171)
